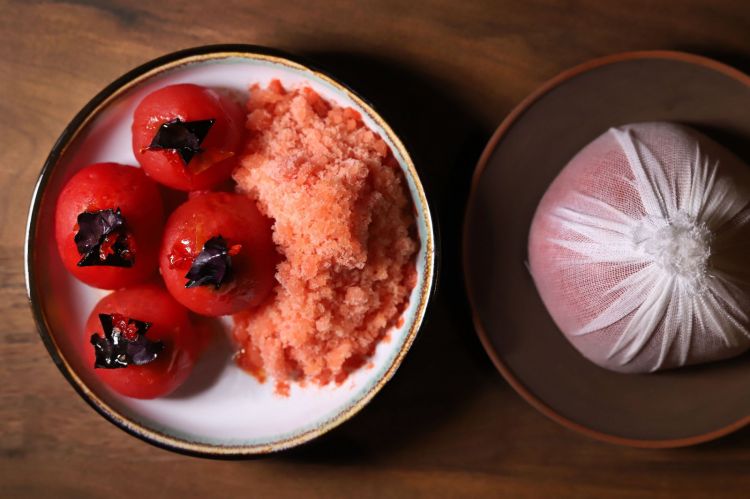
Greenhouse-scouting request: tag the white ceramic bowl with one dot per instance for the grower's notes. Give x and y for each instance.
(221, 410)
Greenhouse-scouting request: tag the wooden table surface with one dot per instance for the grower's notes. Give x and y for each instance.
(445, 73)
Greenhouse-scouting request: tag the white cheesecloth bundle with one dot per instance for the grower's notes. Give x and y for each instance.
(640, 249)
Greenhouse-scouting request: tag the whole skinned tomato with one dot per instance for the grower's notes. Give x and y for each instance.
(187, 137)
(108, 223)
(217, 256)
(140, 342)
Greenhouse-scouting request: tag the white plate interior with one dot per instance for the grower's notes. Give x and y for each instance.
(220, 404)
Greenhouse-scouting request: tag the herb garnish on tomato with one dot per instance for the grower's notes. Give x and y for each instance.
(213, 265)
(102, 239)
(124, 343)
(183, 137)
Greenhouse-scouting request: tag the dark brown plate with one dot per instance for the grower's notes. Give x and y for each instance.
(668, 409)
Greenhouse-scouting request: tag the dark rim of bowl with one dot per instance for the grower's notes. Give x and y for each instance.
(493, 143)
(81, 119)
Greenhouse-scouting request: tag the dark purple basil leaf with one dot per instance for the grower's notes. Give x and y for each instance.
(93, 226)
(183, 137)
(114, 351)
(104, 353)
(142, 351)
(121, 256)
(93, 229)
(212, 266)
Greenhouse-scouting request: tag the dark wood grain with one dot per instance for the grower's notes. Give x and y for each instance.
(445, 73)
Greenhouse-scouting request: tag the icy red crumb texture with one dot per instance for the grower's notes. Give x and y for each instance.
(344, 225)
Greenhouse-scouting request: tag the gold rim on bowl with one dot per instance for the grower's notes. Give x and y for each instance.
(84, 117)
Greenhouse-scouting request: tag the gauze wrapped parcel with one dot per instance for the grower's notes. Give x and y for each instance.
(639, 249)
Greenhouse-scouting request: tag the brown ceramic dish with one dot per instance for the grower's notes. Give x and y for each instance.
(668, 409)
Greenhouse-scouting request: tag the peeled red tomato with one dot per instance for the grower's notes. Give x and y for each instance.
(170, 324)
(109, 186)
(214, 158)
(247, 234)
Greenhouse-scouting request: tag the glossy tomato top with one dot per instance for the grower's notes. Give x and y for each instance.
(187, 104)
(111, 186)
(251, 254)
(170, 325)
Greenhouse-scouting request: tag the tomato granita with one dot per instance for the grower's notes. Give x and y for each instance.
(344, 225)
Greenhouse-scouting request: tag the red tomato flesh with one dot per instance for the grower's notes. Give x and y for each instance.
(188, 103)
(105, 186)
(247, 232)
(170, 324)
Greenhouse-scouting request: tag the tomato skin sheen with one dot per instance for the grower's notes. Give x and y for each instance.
(104, 186)
(247, 232)
(187, 103)
(170, 324)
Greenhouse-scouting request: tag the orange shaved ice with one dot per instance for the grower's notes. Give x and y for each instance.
(344, 225)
